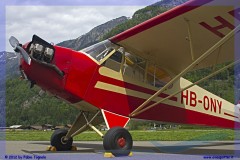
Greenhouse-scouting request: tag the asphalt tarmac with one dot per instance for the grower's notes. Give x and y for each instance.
(142, 150)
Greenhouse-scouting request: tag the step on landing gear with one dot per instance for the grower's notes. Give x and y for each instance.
(117, 141)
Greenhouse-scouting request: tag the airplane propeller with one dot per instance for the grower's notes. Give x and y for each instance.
(18, 48)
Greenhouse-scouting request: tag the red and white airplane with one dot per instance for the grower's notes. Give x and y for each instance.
(137, 74)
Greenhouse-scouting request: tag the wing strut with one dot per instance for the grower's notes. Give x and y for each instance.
(190, 39)
(197, 61)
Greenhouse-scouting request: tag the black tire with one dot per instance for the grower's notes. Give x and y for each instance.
(112, 141)
(56, 140)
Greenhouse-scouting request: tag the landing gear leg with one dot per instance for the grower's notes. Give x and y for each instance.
(62, 139)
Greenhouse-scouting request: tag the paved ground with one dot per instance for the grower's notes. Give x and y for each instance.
(142, 150)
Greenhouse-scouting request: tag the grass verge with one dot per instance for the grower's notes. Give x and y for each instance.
(162, 135)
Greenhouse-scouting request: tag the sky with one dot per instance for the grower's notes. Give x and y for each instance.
(58, 23)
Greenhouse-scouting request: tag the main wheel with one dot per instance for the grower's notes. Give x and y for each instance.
(57, 140)
(118, 141)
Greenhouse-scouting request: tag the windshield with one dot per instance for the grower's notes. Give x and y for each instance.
(100, 50)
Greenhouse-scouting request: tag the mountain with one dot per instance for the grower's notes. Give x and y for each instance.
(2, 64)
(120, 24)
(169, 3)
(12, 64)
(138, 17)
(9, 64)
(2, 88)
(93, 36)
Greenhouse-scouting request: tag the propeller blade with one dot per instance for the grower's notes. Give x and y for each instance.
(14, 42)
(17, 48)
(25, 55)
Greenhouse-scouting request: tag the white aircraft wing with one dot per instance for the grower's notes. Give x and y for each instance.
(174, 39)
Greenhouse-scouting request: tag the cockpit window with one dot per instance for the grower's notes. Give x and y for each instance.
(138, 68)
(100, 50)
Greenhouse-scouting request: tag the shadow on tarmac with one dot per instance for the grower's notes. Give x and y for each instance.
(184, 148)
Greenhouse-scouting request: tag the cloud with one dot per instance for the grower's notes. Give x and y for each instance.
(59, 23)
(82, 2)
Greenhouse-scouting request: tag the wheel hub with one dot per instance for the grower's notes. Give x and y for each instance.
(63, 141)
(121, 142)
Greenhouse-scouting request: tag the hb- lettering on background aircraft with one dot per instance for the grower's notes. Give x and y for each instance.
(137, 74)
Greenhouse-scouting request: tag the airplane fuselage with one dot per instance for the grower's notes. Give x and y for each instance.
(90, 86)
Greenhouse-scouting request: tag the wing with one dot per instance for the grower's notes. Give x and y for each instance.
(174, 39)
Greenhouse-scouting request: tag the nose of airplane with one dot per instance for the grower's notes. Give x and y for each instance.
(37, 60)
(45, 65)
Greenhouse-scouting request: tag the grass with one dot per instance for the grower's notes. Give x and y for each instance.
(162, 135)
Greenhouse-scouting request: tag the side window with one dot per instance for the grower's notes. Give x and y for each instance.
(114, 62)
(156, 76)
(134, 67)
(117, 56)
